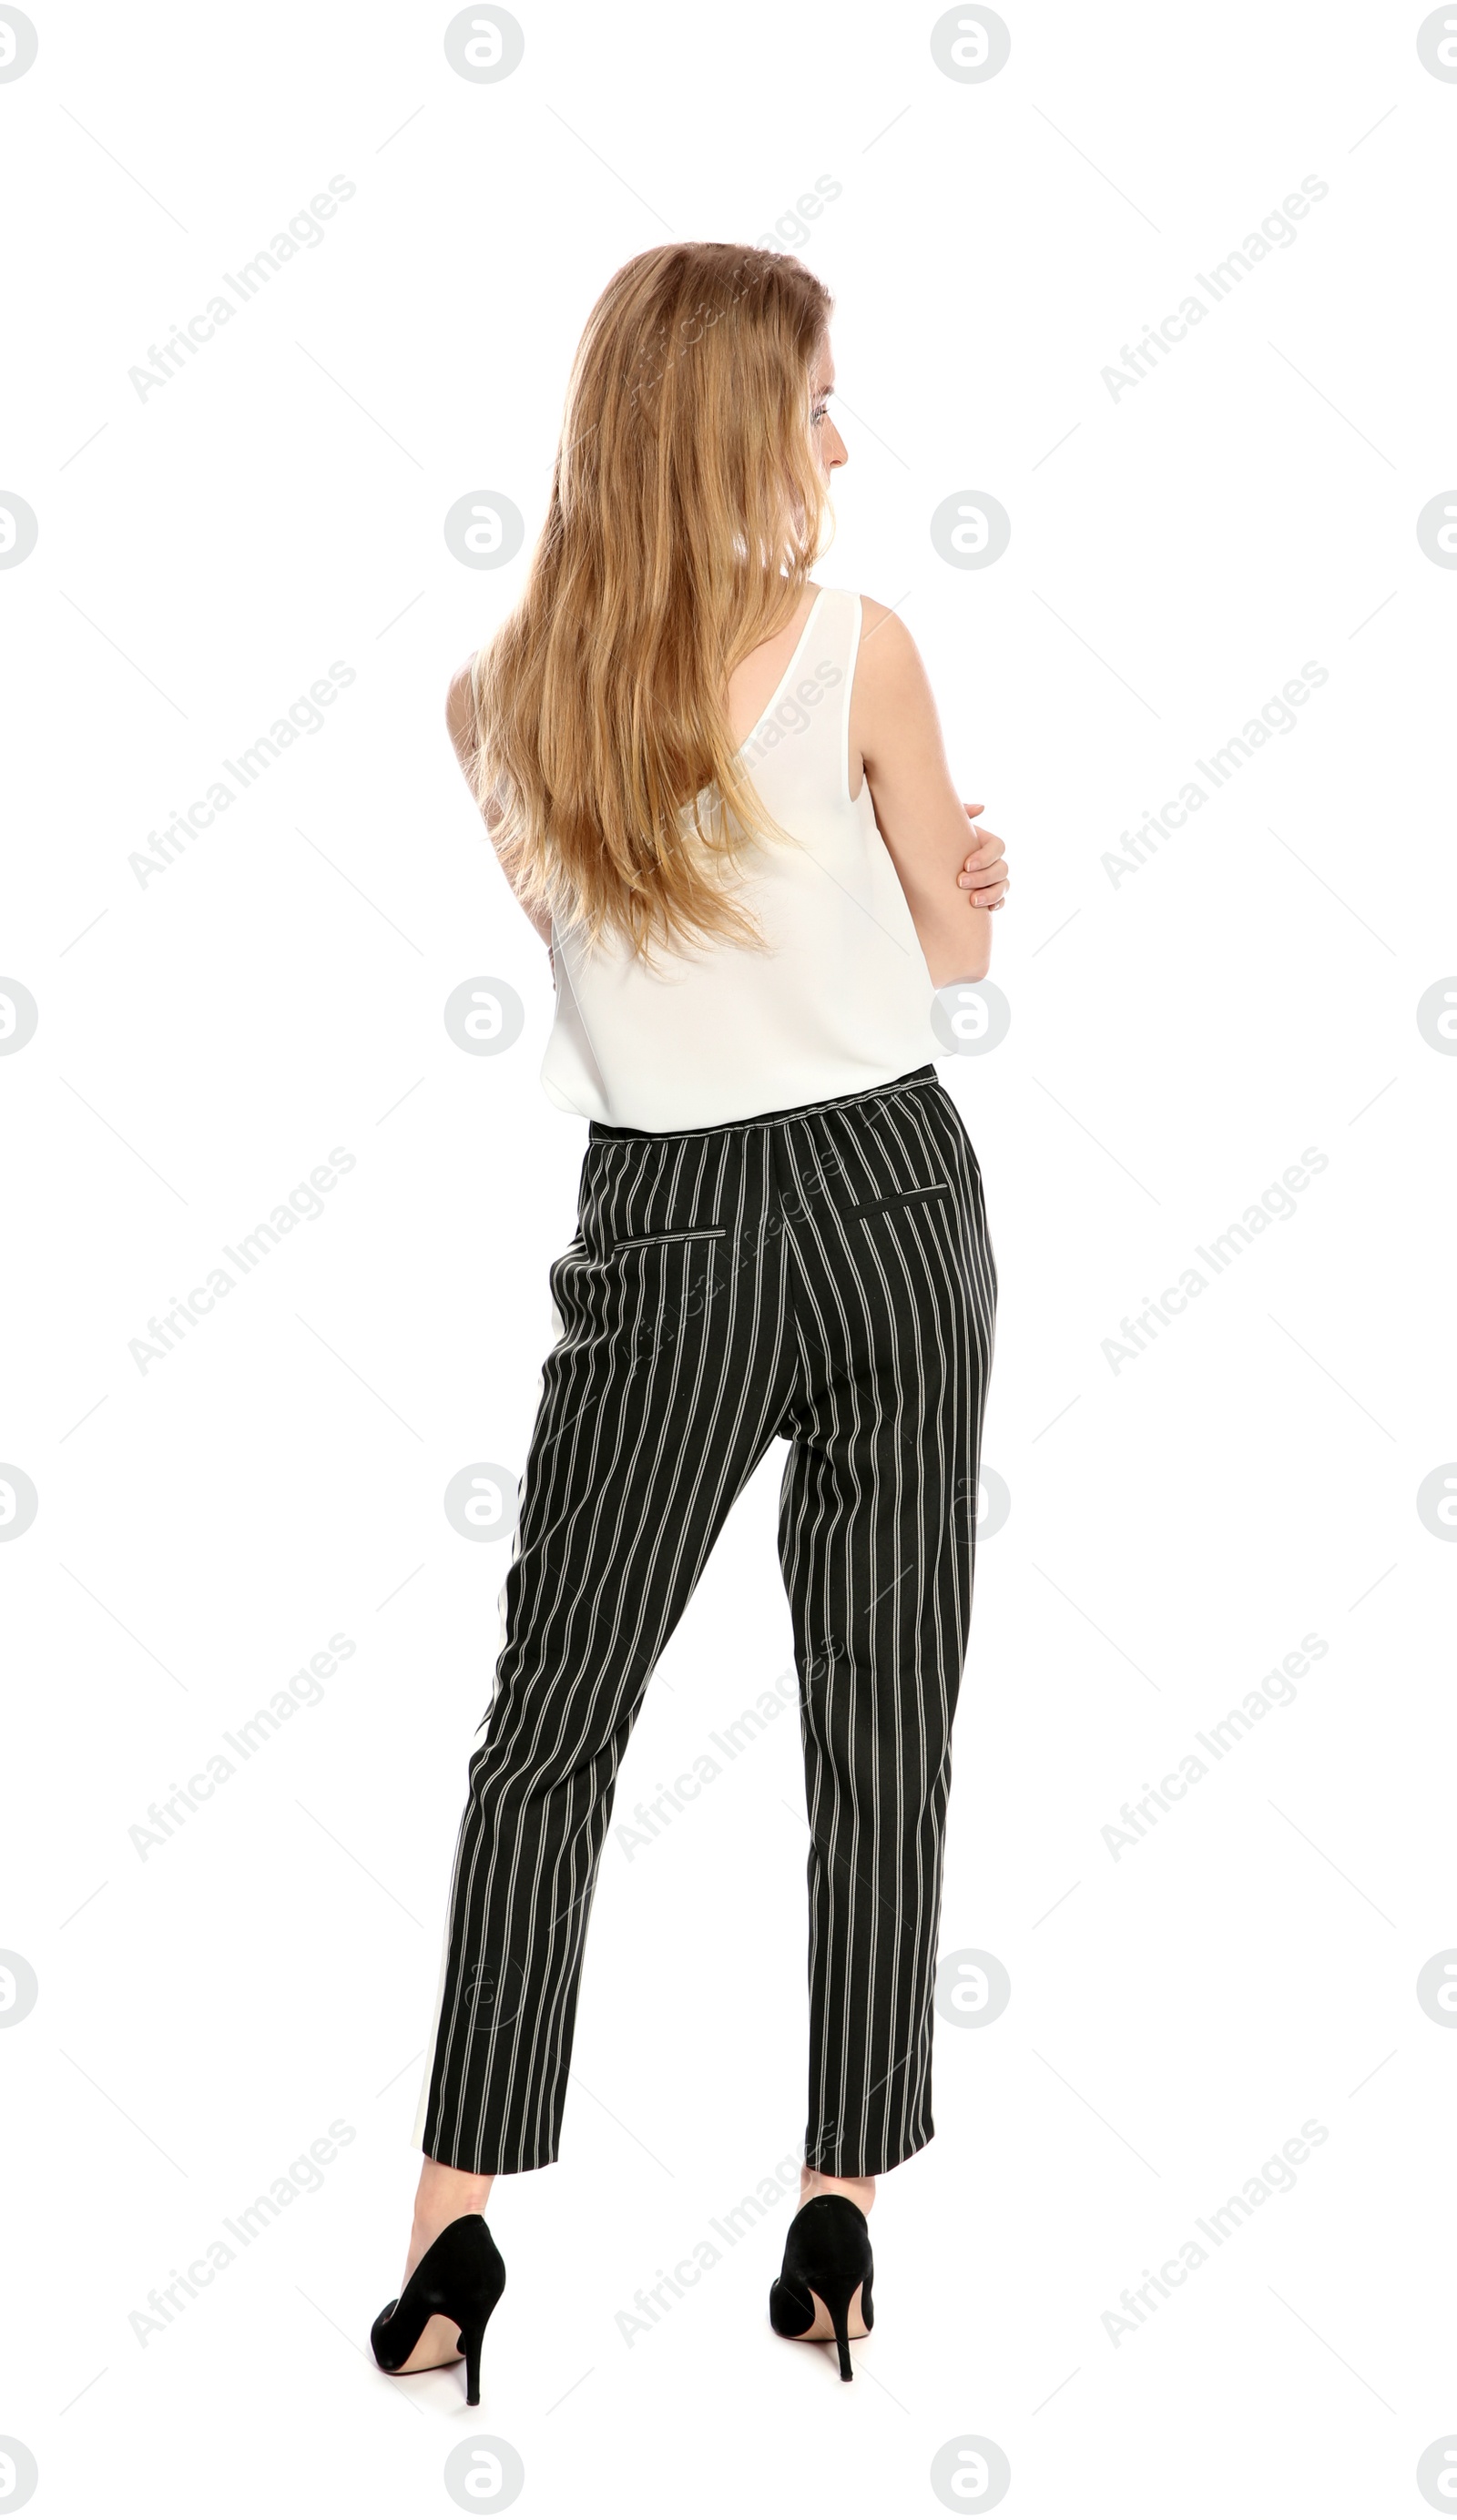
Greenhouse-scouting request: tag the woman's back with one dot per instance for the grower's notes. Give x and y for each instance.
(738, 927)
(838, 995)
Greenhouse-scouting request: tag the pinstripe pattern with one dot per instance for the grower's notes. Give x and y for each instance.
(823, 1275)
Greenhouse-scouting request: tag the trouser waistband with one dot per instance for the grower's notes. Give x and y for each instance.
(927, 1075)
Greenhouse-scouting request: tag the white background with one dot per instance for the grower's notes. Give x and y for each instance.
(1177, 1038)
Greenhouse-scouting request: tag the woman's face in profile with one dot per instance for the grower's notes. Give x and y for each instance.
(829, 447)
(829, 444)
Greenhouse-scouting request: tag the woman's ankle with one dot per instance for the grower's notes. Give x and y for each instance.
(446, 2193)
(819, 2183)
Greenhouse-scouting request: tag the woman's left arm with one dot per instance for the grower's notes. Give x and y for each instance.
(896, 731)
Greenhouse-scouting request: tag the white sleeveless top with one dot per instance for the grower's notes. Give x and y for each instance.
(836, 1001)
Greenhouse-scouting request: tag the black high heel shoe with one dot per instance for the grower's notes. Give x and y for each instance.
(462, 2275)
(826, 2252)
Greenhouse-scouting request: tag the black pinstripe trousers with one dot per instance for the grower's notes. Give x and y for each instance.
(823, 1275)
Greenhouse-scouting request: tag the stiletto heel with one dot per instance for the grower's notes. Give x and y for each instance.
(827, 2253)
(460, 2276)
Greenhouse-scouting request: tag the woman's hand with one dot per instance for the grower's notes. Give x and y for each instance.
(983, 876)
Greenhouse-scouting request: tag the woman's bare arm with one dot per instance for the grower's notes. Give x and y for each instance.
(460, 718)
(896, 728)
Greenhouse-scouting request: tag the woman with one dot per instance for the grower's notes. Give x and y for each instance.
(719, 792)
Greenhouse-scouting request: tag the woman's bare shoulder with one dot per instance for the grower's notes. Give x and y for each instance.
(889, 658)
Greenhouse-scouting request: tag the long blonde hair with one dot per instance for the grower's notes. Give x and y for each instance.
(687, 510)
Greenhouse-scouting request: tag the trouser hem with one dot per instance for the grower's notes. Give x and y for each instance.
(884, 2159)
(482, 2170)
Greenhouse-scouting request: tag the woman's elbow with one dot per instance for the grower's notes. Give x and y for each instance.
(951, 962)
